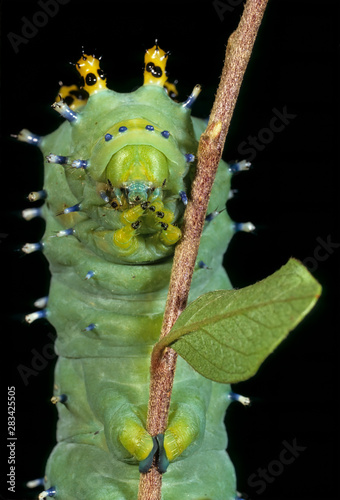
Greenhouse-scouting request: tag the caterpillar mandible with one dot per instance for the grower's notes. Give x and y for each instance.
(118, 173)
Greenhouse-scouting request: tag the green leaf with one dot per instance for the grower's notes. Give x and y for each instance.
(225, 335)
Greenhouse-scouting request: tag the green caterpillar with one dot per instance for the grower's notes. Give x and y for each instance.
(118, 173)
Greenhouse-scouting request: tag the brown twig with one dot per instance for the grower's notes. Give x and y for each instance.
(239, 48)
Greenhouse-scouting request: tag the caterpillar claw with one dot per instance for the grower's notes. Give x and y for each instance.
(162, 461)
(144, 465)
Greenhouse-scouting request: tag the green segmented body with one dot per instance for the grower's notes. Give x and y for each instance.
(104, 370)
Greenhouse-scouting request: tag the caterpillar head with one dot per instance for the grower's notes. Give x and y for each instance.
(127, 161)
(139, 170)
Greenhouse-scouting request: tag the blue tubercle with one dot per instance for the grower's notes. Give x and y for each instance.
(80, 164)
(62, 398)
(58, 159)
(31, 213)
(27, 136)
(238, 166)
(183, 196)
(248, 227)
(189, 157)
(233, 396)
(34, 483)
(37, 195)
(32, 247)
(89, 275)
(213, 215)
(68, 210)
(90, 327)
(29, 318)
(104, 196)
(202, 265)
(51, 492)
(41, 302)
(192, 97)
(65, 232)
(62, 108)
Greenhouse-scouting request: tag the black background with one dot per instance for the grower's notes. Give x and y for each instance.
(291, 195)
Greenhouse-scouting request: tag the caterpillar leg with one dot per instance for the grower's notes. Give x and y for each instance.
(118, 403)
(186, 426)
(128, 429)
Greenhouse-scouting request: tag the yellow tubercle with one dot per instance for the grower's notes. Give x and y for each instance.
(72, 95)
(171, 90)
(155, 62)
(93, 77)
